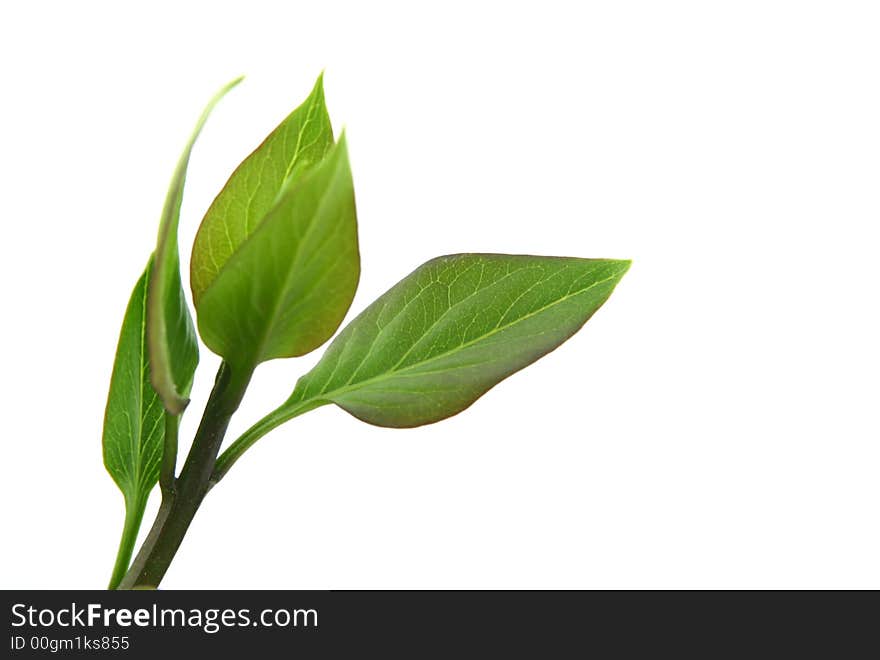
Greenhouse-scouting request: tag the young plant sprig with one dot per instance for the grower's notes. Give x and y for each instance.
(274, 268)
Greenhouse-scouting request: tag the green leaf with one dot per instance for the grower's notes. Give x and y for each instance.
(304, 137)
(451, 330)
(133, 422)
(171, 337)
(288, 286)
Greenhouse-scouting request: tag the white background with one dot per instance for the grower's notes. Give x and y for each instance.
(714, 425)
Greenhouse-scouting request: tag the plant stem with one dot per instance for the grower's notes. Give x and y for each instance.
(179, 507)
(133, 516)
(169, 454)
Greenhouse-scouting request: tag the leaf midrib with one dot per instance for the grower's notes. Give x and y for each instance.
(135, 476)
(319, 207)
(251, 227)
(349, 387)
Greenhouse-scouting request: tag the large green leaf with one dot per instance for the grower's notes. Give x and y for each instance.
(451, 330)
(174, 350)
(288, 286)
(254, 187)
(133, 421)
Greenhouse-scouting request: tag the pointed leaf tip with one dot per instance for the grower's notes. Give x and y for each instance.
(303, 137)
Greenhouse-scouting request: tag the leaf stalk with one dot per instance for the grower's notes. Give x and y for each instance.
(133, 516)
(273, 420)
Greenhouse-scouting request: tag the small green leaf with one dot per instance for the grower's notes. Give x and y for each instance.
(288, 287)
(304, 137)
(443, 336)
(171, 337)
(133, 422)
